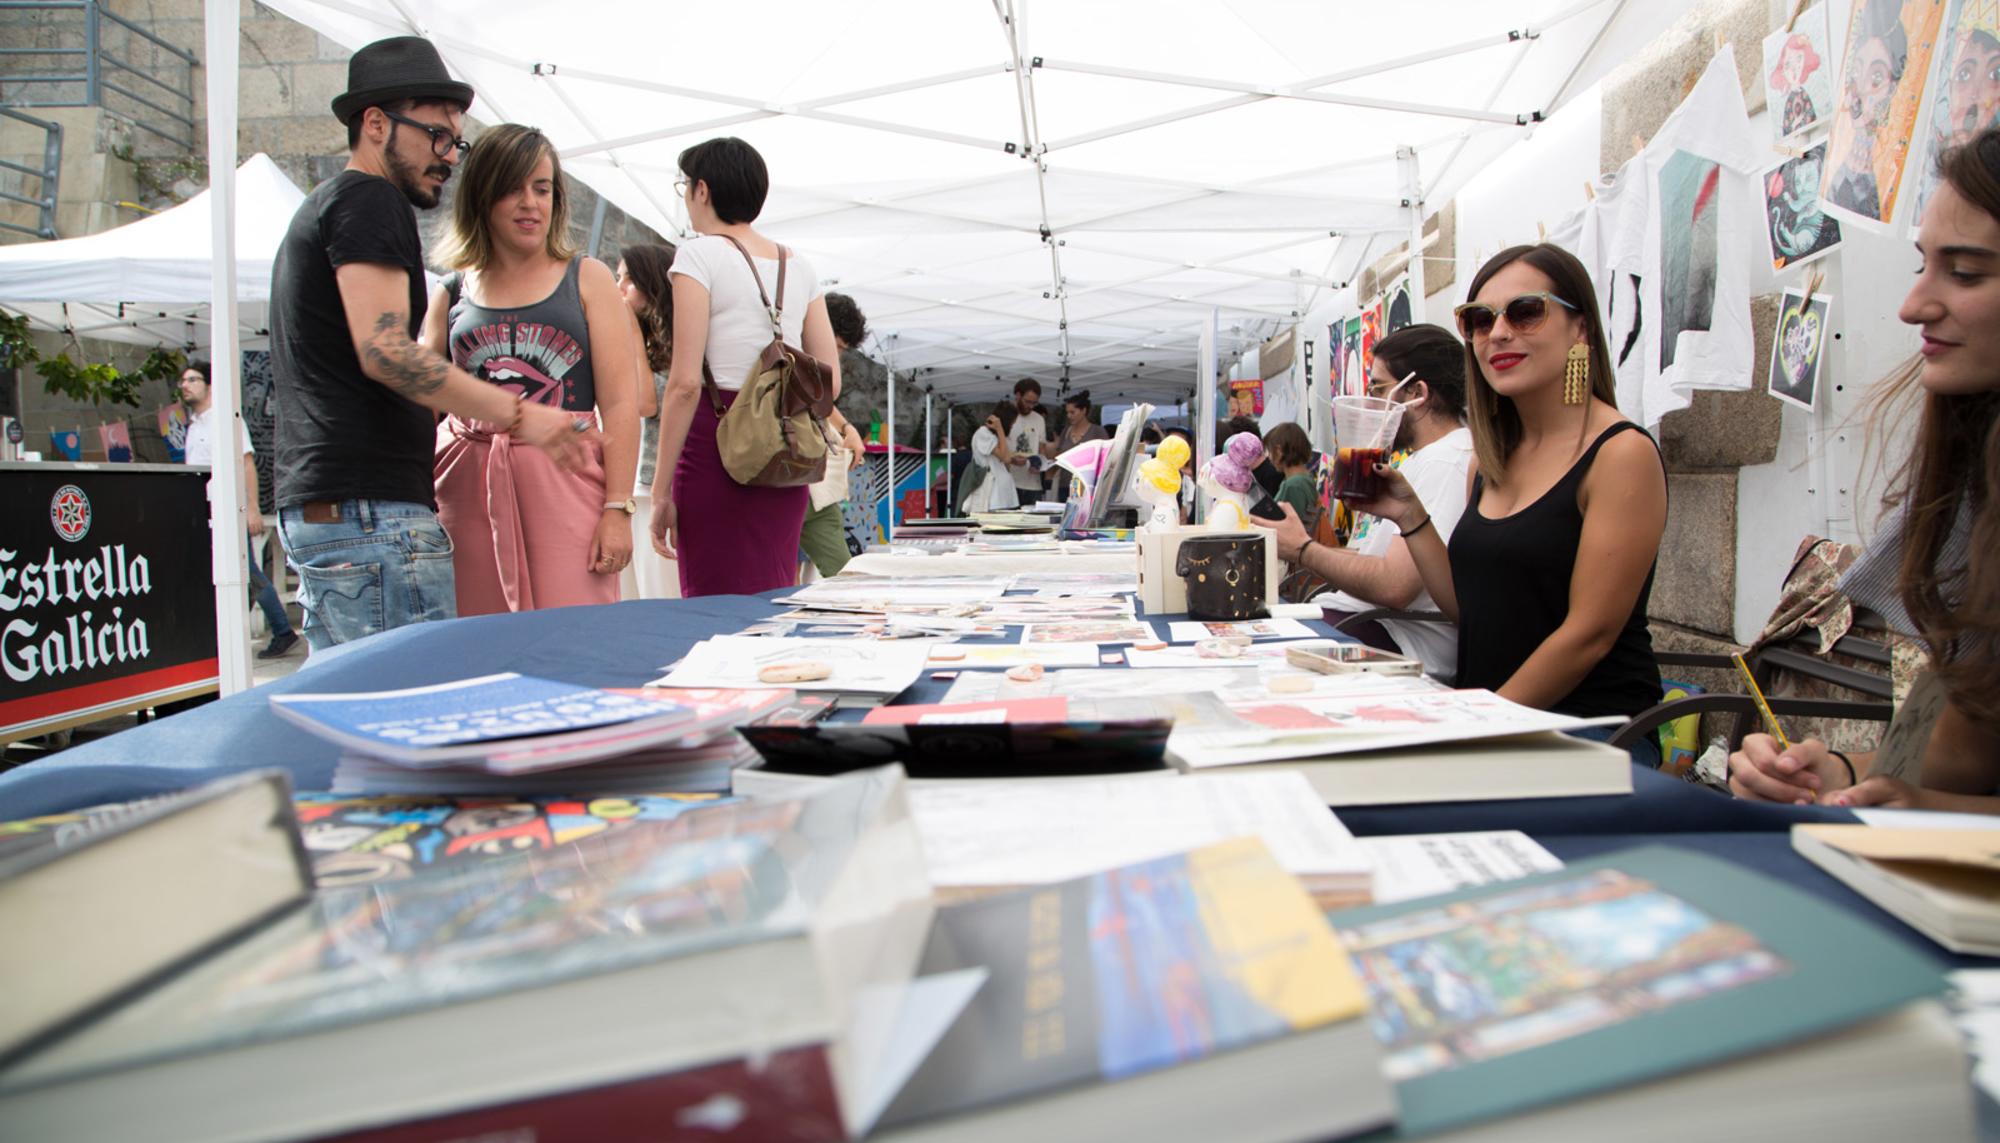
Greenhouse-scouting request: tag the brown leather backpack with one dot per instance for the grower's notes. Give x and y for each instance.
(775, 435)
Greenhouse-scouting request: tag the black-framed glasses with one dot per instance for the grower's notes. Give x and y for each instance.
(1524, 314)
(443, 142)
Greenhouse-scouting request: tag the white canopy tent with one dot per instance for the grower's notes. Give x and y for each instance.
(1057, 190)
(147, 282)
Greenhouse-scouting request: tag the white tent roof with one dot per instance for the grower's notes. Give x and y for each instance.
(1011, 189)
(148, 280)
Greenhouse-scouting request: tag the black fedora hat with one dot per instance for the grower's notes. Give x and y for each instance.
(401, 67)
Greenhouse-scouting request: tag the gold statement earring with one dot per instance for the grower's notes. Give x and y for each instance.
(1576, 375)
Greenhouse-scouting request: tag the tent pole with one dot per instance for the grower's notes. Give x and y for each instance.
(1204, 406)
(930, 508)
(889, 433)
(950, 448)
(225, 486)
(1413, 201)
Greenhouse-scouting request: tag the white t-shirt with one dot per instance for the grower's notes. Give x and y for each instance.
(738, 326)
(1030, 433)
(196, 446)
(997, 493)
(1438, 472)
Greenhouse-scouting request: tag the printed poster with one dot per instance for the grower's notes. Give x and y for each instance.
(1799, 347)
(1965, 98)
(1798, 74)
(1799, 228)
(1888, 58)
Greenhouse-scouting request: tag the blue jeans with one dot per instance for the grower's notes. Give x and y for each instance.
(383, 564)
(267, 598)
(1646, 751)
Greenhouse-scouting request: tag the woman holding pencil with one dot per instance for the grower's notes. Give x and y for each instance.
(1931, 568)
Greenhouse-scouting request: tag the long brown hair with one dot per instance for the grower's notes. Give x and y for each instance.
(1495, 422)
(1954, 469)
(500, 161)
(648, 264)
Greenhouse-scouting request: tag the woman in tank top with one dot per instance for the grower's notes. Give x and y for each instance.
(1549, 570)
(518, 311)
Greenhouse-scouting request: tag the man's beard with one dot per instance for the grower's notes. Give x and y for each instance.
(406, 177)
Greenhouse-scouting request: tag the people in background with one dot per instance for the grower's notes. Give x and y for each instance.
(524, 311)
(356, 395)
(1287, 449)
(1929, 570)
(731, 538)
(1548, 572)
(823, 537)
(1266, 474)
(991, 451)
(1078, 426)
(643, 282)
(1030, 431)
(199, 446)
(1376, 569)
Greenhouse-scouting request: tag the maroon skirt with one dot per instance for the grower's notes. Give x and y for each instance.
(734, 539)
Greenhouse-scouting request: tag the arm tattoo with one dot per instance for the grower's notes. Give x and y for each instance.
(402, 364)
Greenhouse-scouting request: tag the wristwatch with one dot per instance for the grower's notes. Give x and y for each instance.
(628, 506)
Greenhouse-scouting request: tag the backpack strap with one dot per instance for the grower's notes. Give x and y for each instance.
(777, 312)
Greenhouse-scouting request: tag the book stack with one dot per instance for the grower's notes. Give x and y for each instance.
(517, 734)
(1944, 883)
(713, 985)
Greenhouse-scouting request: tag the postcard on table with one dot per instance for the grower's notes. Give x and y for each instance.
(1089, 631)
(1251, 656)
(866, 667)
(1195, 630)
(1313, 727)
(971, 656)
(1094, 682)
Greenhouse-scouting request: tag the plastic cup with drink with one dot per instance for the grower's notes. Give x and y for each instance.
(1364, 431)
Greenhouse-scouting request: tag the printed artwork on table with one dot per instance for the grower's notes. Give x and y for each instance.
(1966, 97)
(1690, 213)
(1800, 230)
(1485, 979)
(1798, 74)
(1799, 347)
(1888, 59)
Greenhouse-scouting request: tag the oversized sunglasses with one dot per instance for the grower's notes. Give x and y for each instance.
(1524, 314)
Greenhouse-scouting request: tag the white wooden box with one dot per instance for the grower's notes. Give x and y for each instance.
(1164, 593)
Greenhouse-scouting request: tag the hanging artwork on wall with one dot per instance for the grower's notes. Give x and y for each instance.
(1798, 74)
(1798, 347)
(1800, 230)
(1965, 98)
(1249, 397)
(1396, 310)
(173, 429)
(1690, 214)
(1371, 332)
(116, 437)
(1888, 59)
(1354, 377)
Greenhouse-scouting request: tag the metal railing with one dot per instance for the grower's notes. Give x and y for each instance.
(87, 73)
(47, 173)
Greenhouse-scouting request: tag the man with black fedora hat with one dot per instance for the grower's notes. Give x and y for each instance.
(357, 397)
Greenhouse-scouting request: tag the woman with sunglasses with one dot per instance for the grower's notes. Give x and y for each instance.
(1550, 567)
(1929, 570)
(519, 311)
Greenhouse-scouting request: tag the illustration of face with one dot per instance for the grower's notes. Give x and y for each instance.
(1805, 176)
(1973, 85)
(1795, 67)
(1871, 83)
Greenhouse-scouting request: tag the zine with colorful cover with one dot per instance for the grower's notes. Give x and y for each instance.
(361, 838)
(1628, 968)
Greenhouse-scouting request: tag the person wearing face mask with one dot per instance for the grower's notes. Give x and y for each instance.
(1929, 569)
(1423, 367)
(520, 311)
(1550, 567)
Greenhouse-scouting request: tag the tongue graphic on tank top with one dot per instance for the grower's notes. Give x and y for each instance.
(534, 384)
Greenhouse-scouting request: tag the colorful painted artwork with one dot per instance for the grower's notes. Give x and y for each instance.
(1800, 230)
(173, 430)
(1799, 347)
(1125, 630)
(1888, 59)
(1486, 979)
(1372, 331)
(1966, 99)
(1690, 214)
(1798, 74)
(1249, 397)
(1396, 309)
(116, 437)
(67, 443)
(1355, 375)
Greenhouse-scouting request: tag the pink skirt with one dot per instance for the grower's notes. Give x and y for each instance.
(734, 539)
(520, 527)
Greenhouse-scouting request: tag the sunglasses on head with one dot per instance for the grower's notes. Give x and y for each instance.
(1524, 314)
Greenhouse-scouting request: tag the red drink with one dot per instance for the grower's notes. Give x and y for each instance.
(1354, 475)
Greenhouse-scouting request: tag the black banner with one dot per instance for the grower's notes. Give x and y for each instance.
(105, 587)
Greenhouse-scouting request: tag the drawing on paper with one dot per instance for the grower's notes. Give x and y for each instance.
(1889, 47)
(1968, 100)
(1799, 347)
(1799, 229)
(1798, 74)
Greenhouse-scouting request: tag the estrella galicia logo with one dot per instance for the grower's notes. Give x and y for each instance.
(69, 511)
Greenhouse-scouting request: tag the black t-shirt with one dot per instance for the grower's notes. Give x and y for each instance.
(340, 434)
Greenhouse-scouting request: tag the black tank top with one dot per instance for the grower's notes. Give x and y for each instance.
(541, 351)
(1512, 577)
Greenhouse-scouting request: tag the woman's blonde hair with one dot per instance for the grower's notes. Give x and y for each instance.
(501, 160)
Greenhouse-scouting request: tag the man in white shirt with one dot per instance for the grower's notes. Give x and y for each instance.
(200, 449)
(1025, 440)
(1375, 569)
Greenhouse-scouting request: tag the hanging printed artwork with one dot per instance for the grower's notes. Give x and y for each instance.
(1249, 397)
(1798, 74)
(1965, 99)
(1799, 229)
(116, 437)
(1396, 311)
(1371, 332)
(1689, 217)
(67, 443)
(1888, 59)
(173, 429)
(1798, 347)
(1355, 374)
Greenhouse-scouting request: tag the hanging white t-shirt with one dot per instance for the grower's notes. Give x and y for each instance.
(1438, 472)
(738, 326)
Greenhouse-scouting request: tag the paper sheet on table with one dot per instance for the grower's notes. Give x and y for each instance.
(1423, 865)
(1030, 832)
(1969, 848)
(898, 1026)
(1195, 630)
(1926, 819)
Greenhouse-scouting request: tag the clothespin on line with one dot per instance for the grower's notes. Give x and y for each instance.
(1638, 144)
(1798, 10)
(1541, 231)
(1814, 281)
(1590, 190)
(1789, 152)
